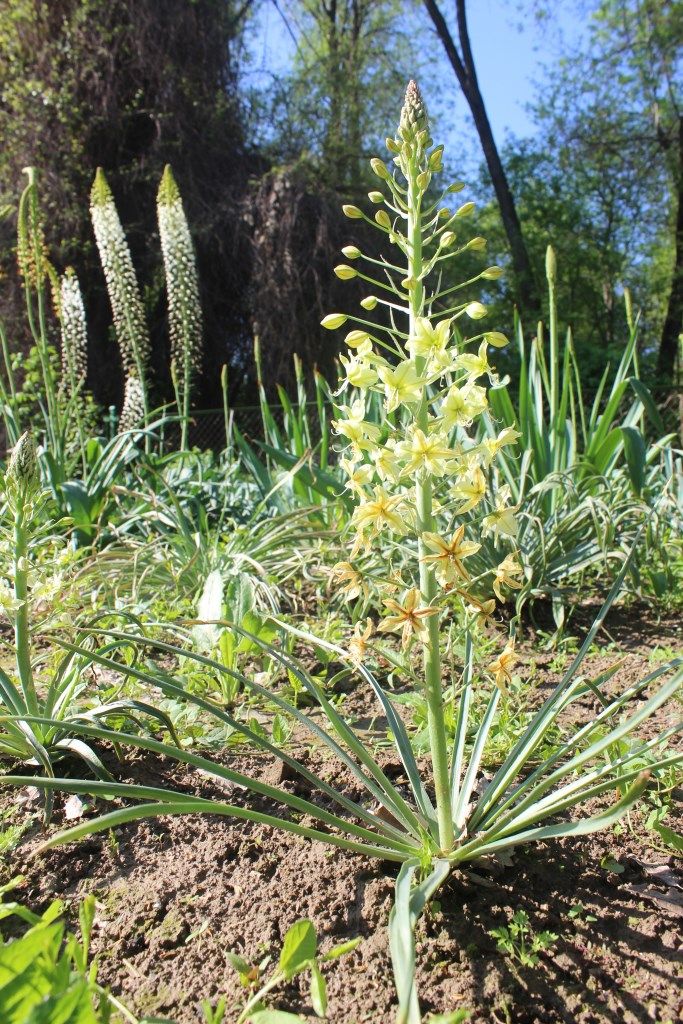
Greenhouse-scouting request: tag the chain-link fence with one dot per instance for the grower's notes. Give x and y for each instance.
(207, 428)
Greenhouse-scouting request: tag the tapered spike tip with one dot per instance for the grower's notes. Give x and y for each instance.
(414, 117)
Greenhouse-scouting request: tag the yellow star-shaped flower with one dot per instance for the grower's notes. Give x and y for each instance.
(448, 555)
(506, 576)
(503, 665)
(401, 384)
(408, 617)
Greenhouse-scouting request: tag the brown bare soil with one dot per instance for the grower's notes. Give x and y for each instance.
(174, 894)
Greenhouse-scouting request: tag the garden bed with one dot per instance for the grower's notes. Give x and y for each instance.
(174, 895)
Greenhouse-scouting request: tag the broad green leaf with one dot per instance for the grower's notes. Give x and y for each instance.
(636, 457)
(281, 730)
(299, 946)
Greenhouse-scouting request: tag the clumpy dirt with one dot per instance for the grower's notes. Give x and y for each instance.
(173, 895)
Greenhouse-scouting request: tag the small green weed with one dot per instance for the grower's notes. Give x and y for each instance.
(519, 941)
(299, 953)
(578, 913)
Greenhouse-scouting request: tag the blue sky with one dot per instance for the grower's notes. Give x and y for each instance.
(510, 49)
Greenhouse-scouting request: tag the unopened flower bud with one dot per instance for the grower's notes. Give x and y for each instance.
(392, 146)
(476, 310)
(375, 197)
(496, 338)
(492, 273)
(465, 210)
(355, 338)
(380, 168)
(345, 273)
(351, 211)
(408, 283)
(435, 159)
(352, 252)
(382, 218)
(22, 471)
(550, 263)
(369, 302)
(457, 186)
(423, 179)
(478, 244)
(333, 320)
(444, 213)
(447, 239)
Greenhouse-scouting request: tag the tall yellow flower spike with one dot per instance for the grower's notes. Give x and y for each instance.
(431, 390)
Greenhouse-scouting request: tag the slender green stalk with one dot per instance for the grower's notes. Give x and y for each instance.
(428, 586)
(227, 420)
(22, 483)
(277, 978)
(22, 637)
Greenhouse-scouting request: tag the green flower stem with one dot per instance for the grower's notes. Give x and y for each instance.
(187, 392)
(256, 999)
(21, 627)
(385, 265)
(425, 523)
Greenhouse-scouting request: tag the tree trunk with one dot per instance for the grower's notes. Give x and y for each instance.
(467, 77)
(673, 323)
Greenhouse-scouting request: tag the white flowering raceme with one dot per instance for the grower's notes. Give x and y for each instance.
(74, 334)
(432, 388)
(133, 411)
(127, 308)
(182, 288)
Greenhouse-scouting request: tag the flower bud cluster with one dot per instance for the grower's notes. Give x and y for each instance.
(32, 258)
(22, 479)
(414, 121)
